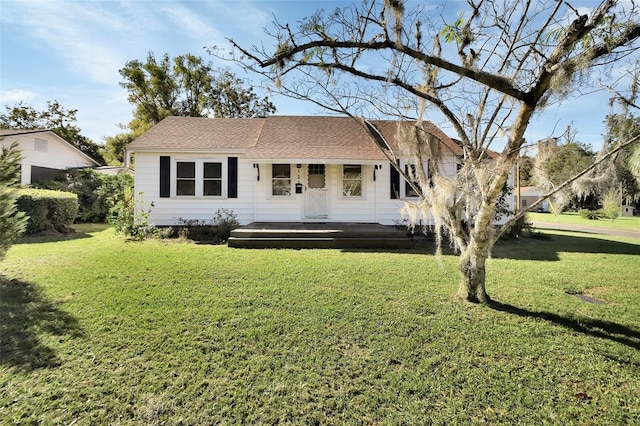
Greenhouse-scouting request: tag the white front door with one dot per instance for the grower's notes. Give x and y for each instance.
(317, 195)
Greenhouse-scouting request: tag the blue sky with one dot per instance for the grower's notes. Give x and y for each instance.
(71, 51)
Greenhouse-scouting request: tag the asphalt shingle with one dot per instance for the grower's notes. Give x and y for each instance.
(313, 138)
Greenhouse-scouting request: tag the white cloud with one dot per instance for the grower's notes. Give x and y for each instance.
(243, 15)
(191, 24)
(84, 34)
(12, 96)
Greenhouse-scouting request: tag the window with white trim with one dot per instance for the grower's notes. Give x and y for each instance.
(212, 179)
(185, 178)
(281, 180)
(410, 170)
(199, 178)
(352, 180)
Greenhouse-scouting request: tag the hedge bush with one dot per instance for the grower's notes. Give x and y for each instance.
(97, 193)
(47, 209)
(590, 214)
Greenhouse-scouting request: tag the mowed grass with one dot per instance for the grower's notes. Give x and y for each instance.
(572, 218)
(96, 330)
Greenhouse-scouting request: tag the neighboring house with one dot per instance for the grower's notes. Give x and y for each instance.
(273, 169)
(114, 170)
(44, 154)
(531, 194)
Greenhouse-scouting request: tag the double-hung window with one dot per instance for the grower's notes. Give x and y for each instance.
(352, 180)
(409, 191)
(281, 179)
(212, 179)
(185, 178)
(199, 178)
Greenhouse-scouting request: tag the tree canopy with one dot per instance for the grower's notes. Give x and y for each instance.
(187, 86)
(183, 86)
(558, 161)
(483, 73)
(622, 124)
(56, 118)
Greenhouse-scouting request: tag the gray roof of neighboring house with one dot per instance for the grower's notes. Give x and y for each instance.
(12, 132)
(19, 132)
(277, 137)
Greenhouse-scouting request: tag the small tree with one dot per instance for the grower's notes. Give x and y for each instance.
(611, 205)
(12, 222)
(486, 73)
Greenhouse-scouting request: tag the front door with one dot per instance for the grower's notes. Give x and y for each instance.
(316, 200)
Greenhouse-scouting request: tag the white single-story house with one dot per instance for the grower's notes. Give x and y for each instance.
(273, 169)
(44, 154)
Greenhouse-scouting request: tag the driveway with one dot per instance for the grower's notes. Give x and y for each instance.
(633, 233)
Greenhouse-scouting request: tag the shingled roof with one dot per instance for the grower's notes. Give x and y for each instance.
(310, 138)
(199, 134)
(14, 132)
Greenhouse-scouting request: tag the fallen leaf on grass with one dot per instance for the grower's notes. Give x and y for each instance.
(583, 396)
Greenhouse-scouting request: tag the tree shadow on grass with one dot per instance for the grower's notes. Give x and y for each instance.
(25, 318)
(549, 247)
(544, 247)
(597, 328)
(75, 232)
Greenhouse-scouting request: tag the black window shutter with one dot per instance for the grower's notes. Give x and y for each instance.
(232, 177)
(165, 176)
(395, 182)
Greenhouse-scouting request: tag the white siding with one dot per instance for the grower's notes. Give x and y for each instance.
(270, 208)
(255, 201)
(46, 150)
(341, 209)
(353, 209)
(172, 210)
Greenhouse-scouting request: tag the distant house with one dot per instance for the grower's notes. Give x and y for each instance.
(44, 154)
(114, 170)
(274, 169)
(531, 194)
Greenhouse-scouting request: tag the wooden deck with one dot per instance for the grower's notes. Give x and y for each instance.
(310, 235)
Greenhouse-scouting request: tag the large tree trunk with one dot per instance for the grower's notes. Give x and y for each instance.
(476, 252)
(472, 274)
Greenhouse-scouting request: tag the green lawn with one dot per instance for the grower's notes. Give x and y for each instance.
(570, 218)
(96, 330)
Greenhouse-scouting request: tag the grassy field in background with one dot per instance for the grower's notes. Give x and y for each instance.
(96, 330)
(571, 218)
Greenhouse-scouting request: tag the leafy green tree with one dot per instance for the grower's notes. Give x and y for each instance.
(569, 159)
(152, 87)
(115, 145)
(12, 222)
(634, 162)
(486, 73)
(185, 86)
(625, 176)
(555, 163)
(56, 118)
(526, 164)
(194, 78)
(229, 99)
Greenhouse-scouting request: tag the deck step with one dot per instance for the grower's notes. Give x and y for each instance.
(313, 236)
(320, 243)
